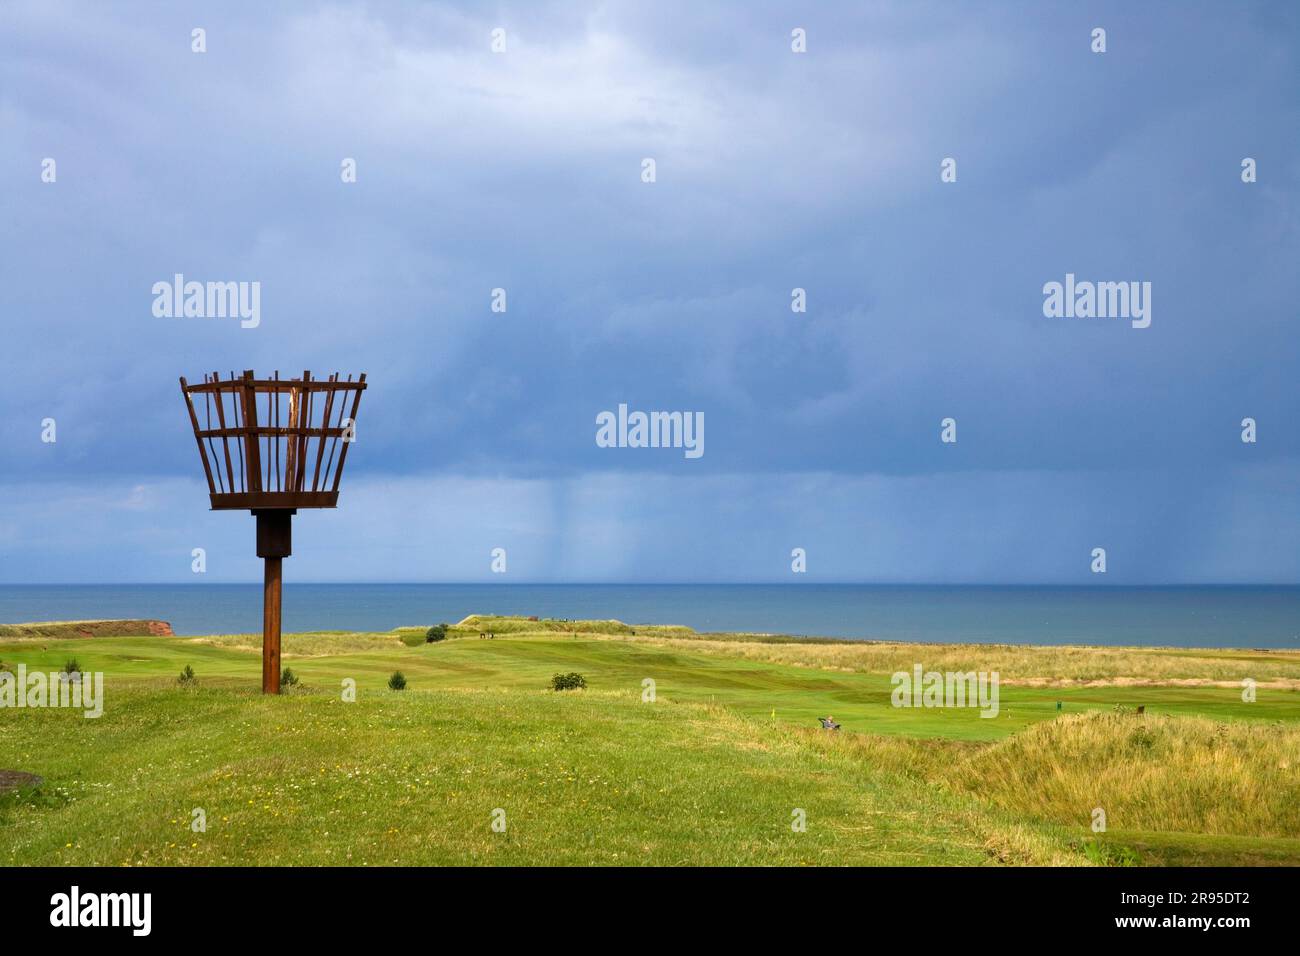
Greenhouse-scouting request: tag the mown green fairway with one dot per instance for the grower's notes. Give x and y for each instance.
(797, 695)
(711, 772)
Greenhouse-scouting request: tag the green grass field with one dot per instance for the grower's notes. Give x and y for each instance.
(714, 771)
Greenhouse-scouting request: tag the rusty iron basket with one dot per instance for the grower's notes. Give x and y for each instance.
(276, 466)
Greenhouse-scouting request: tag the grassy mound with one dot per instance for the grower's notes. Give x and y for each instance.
(417, 778)
(516, 626)
(1148, 773)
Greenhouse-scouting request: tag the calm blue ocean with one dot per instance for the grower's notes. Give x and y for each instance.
(1182, 617)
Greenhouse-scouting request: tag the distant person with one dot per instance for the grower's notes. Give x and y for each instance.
(828, 722)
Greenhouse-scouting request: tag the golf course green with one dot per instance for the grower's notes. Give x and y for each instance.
(682, 749)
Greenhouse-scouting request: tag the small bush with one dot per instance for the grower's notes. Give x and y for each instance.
(397, 681)
(288, 678)
(436, 633)
(570, 681)
(187, 678)
(71, 667)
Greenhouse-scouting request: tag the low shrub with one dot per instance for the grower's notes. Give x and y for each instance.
(570, 681)
(436, 633)
(397, 681)
(288, 678)
(187, 678)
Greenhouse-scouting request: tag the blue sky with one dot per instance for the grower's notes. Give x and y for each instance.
(522, 170)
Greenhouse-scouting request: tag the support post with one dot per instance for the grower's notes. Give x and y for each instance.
(271, 626)
(274, 543)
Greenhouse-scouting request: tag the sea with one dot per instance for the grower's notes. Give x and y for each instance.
(1200, 616)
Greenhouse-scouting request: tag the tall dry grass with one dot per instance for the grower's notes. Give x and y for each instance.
(1187, 774)
(307, 645)
(1183, 774)
(1051, 666)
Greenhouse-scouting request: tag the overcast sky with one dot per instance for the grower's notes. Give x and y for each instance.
(775, 170)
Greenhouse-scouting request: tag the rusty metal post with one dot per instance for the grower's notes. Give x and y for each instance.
(271, 626)
(274, 544)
